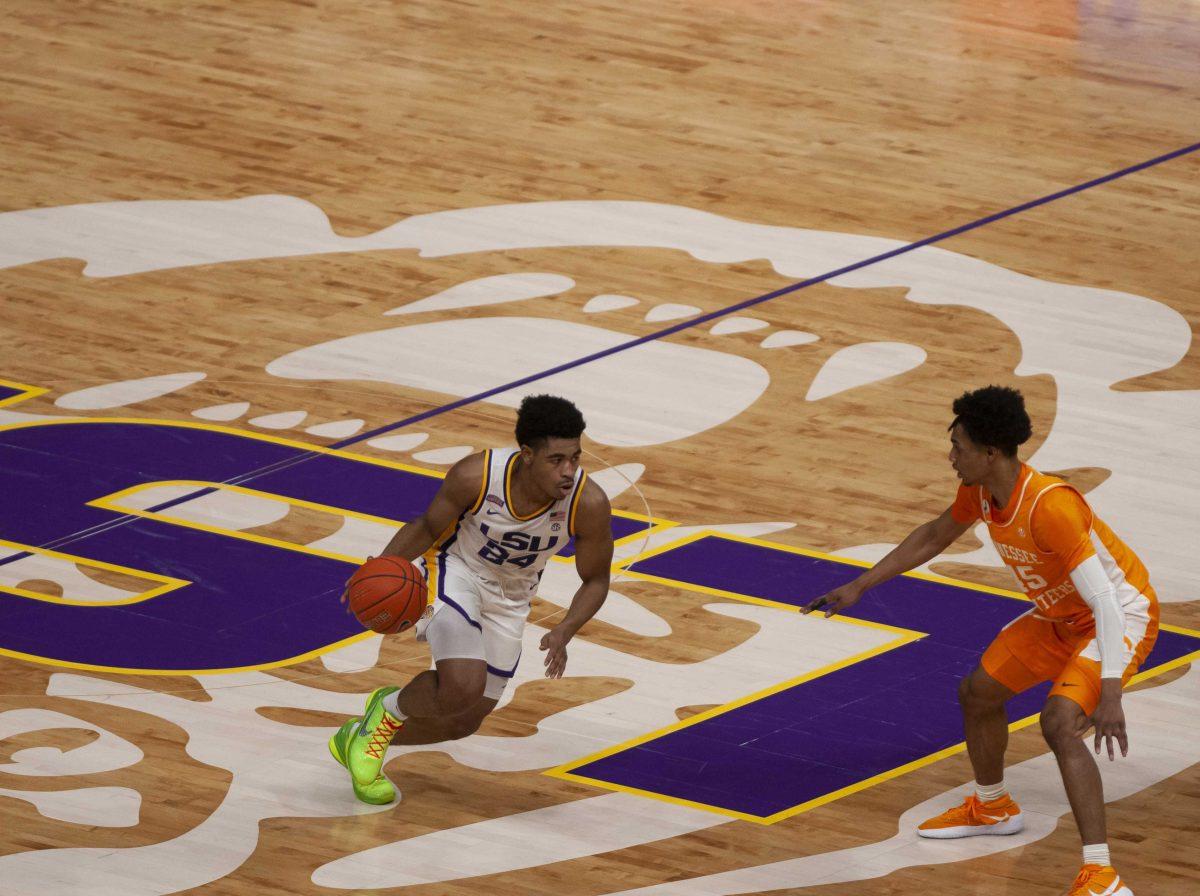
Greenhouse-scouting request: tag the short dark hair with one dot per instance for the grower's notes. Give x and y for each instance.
(994, 416)
(543, 417)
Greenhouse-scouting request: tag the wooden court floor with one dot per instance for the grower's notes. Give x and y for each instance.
(288, 251)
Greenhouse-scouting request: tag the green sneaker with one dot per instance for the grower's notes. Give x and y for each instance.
(367, 744)
(379, 792)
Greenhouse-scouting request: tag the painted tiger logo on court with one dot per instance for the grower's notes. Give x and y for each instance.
(248, 746)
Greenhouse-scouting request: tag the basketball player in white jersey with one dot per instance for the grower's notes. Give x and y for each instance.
(484, 540)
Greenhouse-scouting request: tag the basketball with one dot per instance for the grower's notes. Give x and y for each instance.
(387, 594)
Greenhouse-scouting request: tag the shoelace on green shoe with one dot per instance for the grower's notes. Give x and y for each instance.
(381, 737)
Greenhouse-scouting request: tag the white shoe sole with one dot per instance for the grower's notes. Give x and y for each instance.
(1011, 825)
(1121, 890)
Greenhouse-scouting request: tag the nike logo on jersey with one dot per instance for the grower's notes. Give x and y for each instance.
(490, 512)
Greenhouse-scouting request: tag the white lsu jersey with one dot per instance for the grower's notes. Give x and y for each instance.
(495, 544)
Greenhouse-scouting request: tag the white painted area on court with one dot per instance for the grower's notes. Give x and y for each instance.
(863, 365)
(643, 397)
(490, 291)
(118, 395)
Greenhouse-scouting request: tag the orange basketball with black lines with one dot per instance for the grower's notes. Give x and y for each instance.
(387, 594)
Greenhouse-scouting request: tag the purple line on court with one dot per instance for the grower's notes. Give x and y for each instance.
(767, 297)
(251, 475)
(840, 729)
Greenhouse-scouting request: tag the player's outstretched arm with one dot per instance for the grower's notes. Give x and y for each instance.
(459, 491)
(593, 562)
(922, 544)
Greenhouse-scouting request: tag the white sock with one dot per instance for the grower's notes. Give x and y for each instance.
(989, 792)
(1096, 854)
(392, 704)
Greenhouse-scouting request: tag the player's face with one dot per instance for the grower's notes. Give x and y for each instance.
(970, 460)
(553, 466)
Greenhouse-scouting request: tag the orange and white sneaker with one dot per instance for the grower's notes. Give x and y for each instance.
(1097, 880)
(975, 818)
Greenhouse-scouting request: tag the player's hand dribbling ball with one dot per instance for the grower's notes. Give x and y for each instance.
(387, 594)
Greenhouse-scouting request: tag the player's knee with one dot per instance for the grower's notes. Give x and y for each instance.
(964, 693)
(463, 726)
(979, 695)
(970, 698)
(1060, 723)
(453, 701)
(1053, 731)
(458, 694)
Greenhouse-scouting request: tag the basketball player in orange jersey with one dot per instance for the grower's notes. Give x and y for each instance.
(486, 537)
(1094, 621)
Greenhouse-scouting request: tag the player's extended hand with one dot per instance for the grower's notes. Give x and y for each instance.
(841, 598)
(554, 642)
(1109, 719)
(346, 588)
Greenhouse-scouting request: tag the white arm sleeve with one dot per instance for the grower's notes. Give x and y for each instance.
(1097, 591)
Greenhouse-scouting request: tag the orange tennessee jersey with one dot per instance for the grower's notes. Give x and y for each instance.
(1044, 531)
